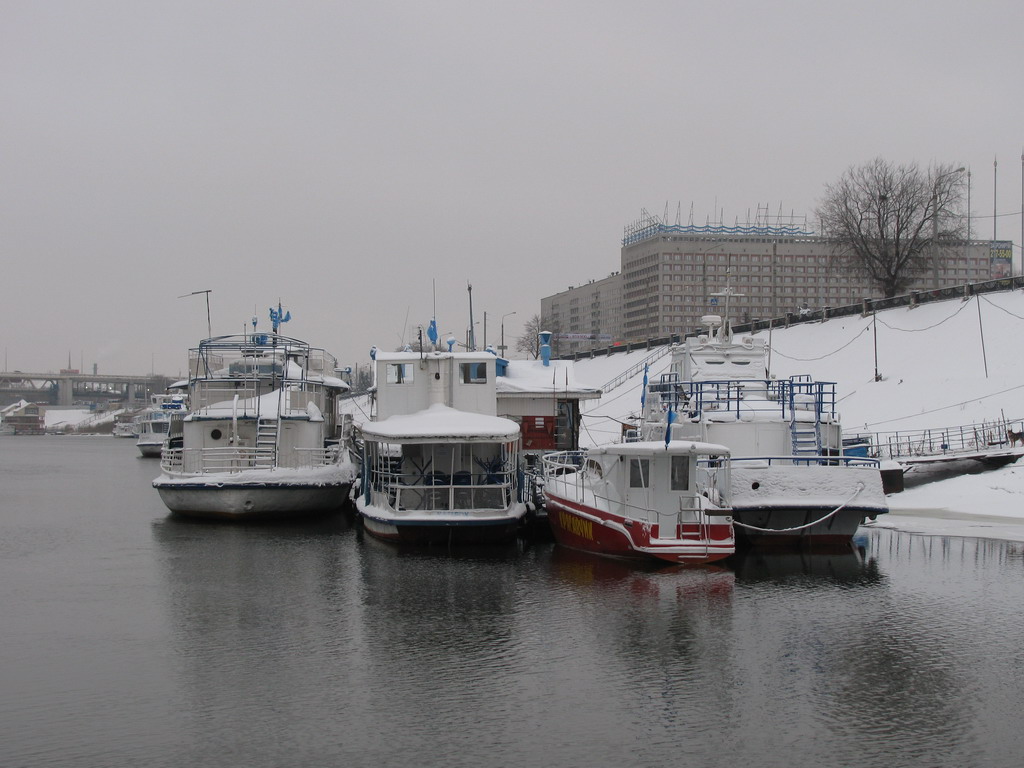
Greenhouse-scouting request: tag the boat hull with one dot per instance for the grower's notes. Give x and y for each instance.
(835, 532)
(778, 506)
(252, 501)
(442, 530)
(593, 530)
(151, 450)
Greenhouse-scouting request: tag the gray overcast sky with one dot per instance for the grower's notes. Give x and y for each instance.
(341, 156)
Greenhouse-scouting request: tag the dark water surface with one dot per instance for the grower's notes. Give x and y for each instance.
(131, 638)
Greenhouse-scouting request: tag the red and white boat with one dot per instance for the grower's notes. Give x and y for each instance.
(642, 500)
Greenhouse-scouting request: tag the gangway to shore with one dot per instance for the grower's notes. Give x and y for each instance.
(987, 442)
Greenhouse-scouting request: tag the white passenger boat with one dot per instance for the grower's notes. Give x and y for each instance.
(438, 464)
(792, 482)
(153, 424)
(664, 501)
(262, 437)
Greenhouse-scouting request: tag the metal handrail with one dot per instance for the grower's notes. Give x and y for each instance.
(231, 459)
(939, 441)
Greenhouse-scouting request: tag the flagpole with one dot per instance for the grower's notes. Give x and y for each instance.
(995, 168)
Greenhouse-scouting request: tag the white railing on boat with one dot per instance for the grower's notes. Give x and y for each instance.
(293, 398)
(805, 460)
(781, 398)
(436, 491)
(237, 459)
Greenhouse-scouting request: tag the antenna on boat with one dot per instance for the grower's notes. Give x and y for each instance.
(472, 331)
(209, 329)
(724, 333)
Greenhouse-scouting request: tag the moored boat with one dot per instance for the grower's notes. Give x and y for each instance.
(642, 500)
(438, 464)
(262, 437)
(153, 424)
(792, 481)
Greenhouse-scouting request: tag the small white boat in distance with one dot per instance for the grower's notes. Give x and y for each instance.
(154, 424)
(642, 500)
(262, 438)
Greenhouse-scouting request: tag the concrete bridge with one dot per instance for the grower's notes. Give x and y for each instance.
(70, 387)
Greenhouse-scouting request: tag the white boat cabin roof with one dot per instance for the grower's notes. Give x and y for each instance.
(438, 424)
(659, 448)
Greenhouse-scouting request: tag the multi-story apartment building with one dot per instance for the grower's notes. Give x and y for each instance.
(585, 316)
(671, 276)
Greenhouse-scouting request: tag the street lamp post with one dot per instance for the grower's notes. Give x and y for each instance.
(935, 223)
(501, 347)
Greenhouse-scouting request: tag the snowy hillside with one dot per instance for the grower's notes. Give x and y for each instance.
(930, 359)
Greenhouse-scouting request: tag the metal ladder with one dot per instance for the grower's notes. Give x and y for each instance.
(806, 437)
(267, 431)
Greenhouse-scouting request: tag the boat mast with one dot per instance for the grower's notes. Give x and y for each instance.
(471, 341)
(724, 331)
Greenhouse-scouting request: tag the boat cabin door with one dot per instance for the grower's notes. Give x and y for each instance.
(659, 491)
(641, 489)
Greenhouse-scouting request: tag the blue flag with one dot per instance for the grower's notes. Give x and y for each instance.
(278, 316)
(668, 426)
(643, 392)
(432, 331)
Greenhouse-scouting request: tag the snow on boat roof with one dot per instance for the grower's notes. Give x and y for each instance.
(531, 377)
(407, 357)
(654, 447)
(439, 423)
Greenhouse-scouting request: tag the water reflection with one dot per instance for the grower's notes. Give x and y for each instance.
(130, 637)
(261, 623)
(851, 566)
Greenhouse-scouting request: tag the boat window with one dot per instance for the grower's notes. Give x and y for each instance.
(639, 473)
(473, 373)
(594, 469)
(400, 373)
(680, 473)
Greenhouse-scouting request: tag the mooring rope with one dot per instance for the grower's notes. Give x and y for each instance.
(860, 487)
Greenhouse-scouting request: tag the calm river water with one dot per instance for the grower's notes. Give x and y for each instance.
(131, 638)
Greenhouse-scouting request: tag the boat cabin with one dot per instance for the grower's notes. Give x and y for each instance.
(657, 484)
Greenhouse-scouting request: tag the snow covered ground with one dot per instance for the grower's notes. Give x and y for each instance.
(945, 364)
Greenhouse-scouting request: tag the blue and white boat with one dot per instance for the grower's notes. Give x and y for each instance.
(154, 424)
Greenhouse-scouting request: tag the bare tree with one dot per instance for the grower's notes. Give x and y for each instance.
(529, 342)
(888, 221)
